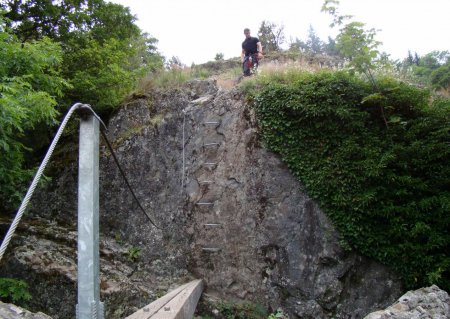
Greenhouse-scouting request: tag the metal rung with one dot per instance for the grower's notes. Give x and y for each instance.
(212, 250)
(210, 164)
(212, 123)
(205, 182)
(205, 203)
(213, 225)
(211, 144)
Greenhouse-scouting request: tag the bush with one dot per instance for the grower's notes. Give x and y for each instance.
(14, 290)
(378, 168)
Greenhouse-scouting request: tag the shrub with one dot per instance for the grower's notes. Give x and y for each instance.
(383, 179)
(14, 290)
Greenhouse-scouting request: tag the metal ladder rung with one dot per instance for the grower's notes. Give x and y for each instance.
(210, 164)
(211, 144)
(213, 225)
(205, 203)
(211, 249)
(205, 182)
(212, 123)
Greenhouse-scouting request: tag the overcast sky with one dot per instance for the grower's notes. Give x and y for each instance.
(196, 30)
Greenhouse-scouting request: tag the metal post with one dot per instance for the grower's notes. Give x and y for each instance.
(89, 305)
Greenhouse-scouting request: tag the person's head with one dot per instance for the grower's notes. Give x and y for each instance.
(247, 32)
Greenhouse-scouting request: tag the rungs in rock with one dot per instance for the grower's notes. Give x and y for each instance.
(210, 164)
(211, 144)
(211, 250)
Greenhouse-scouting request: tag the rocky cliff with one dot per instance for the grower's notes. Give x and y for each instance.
(424, 303)
(230, 212)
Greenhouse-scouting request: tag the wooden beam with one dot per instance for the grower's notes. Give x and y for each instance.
(180, 303)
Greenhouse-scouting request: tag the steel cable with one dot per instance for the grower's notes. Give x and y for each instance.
(126, 179)
(76, 107)
(36, 179)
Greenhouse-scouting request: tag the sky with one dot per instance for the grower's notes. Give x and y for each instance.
(196, 30)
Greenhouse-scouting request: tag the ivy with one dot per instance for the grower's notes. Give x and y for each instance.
(385, 188)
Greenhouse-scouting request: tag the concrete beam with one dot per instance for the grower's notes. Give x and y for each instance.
(177, 304)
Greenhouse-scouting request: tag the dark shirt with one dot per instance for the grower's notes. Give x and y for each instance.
(249, 46)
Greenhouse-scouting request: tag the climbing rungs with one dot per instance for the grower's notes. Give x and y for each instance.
(213, 225)
(205, 182)
(211, 249)
(211, 123)
(210, 164)
(204, 203)
(211, 144)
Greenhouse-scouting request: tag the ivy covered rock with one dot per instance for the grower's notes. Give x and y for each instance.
(376, 161)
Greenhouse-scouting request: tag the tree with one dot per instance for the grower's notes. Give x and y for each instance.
(410, 59)
(30, 82)
(440, 78)
(271, 36)
(433, 69)
(354, 42)
(219, 57)
(174, 63)
(104, 51)
(330, 47)
(314, 44)
(298, 45)
(33, 19)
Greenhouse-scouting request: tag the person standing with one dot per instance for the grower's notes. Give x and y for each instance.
(251, 52)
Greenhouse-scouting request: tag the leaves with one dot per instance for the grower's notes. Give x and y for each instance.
(14, 290)
(387, 192)
(29, 86)
(271, 36)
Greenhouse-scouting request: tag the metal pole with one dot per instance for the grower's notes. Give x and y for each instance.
(89, 305)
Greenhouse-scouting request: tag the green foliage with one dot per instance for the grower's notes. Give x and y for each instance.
(14, 290)
(56, 53)
(66, 19)
(112, 55)
(271, 36)
(278, 315)
(242, 310)
(219, 57)
(385, 189)
(355, 43)
(313, 43)
(29, 85)
(358, 46)
(134, 253)
(104, 80)
(432, 69)
(172, 78)
(440, 77)
(104, 52)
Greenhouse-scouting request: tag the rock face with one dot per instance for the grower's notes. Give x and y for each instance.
(424, 303)
(9, 311)
(230, 212)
